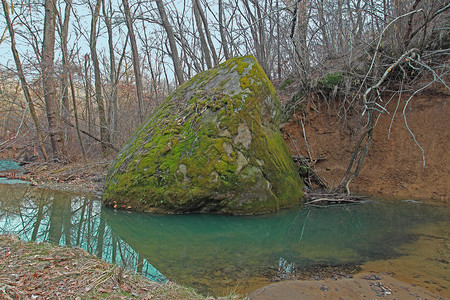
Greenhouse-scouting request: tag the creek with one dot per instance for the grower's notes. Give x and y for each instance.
(219, 254)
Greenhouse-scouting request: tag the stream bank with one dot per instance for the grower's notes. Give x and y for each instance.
(393, 166)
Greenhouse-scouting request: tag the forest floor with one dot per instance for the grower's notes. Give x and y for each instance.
(30, 270)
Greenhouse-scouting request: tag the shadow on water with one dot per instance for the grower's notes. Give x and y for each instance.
(213, 252)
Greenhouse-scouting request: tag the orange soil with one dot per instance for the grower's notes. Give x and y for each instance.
(393, 165)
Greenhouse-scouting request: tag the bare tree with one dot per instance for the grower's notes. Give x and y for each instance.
(299, 34)
(23, 81)
(136, 63)
(205, 35)
(67, 77)
(205, 50)
(223, 37)
(173, 46)
(104, 136)
(63, 28)
(48, 80)
(113, 117)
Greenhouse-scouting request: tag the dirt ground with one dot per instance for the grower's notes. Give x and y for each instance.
(393, 165)
(362, 286)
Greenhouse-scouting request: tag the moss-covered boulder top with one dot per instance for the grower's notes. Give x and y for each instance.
(212, 146)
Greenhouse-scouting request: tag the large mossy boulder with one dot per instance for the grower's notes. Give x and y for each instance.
(212, 146)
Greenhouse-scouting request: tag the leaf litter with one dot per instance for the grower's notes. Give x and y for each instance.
(33, 270)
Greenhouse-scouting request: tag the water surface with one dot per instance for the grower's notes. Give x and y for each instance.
(10, 165)
(216, 254)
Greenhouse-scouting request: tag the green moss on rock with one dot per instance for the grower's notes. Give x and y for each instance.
(212, 146)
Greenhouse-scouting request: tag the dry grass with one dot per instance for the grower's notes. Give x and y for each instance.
(30, 270)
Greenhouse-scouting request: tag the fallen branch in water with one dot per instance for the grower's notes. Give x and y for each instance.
(322, 199)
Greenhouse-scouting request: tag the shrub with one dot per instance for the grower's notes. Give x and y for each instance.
(331, 80)
(286, 83)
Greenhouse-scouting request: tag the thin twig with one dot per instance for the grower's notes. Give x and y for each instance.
(295, 146)
(306, 141)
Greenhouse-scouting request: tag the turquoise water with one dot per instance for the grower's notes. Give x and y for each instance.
(12, 181)
(6, 165)
(10, 165)
(211, 252)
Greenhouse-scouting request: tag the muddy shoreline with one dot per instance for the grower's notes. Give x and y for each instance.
(361, 286)
(75, 177)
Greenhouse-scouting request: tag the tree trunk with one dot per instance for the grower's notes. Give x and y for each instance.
(104, 136)
(113, 118)
(87, 89)
(172, 43)
(207, 33)
(75, 113)
(114, 247)
(278, 42)
(257, 31)
(48, 82)
(100, 236)
(149, 60)
(39, 217)
(67, 222)
(81, 223)
(322, 25)
(64, 111)
(223, 37)
(136, 64)
(201, 35)
(56, 221)
(299, 36)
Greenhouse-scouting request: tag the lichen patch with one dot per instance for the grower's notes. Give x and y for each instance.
(241, 162)
(244, 136)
